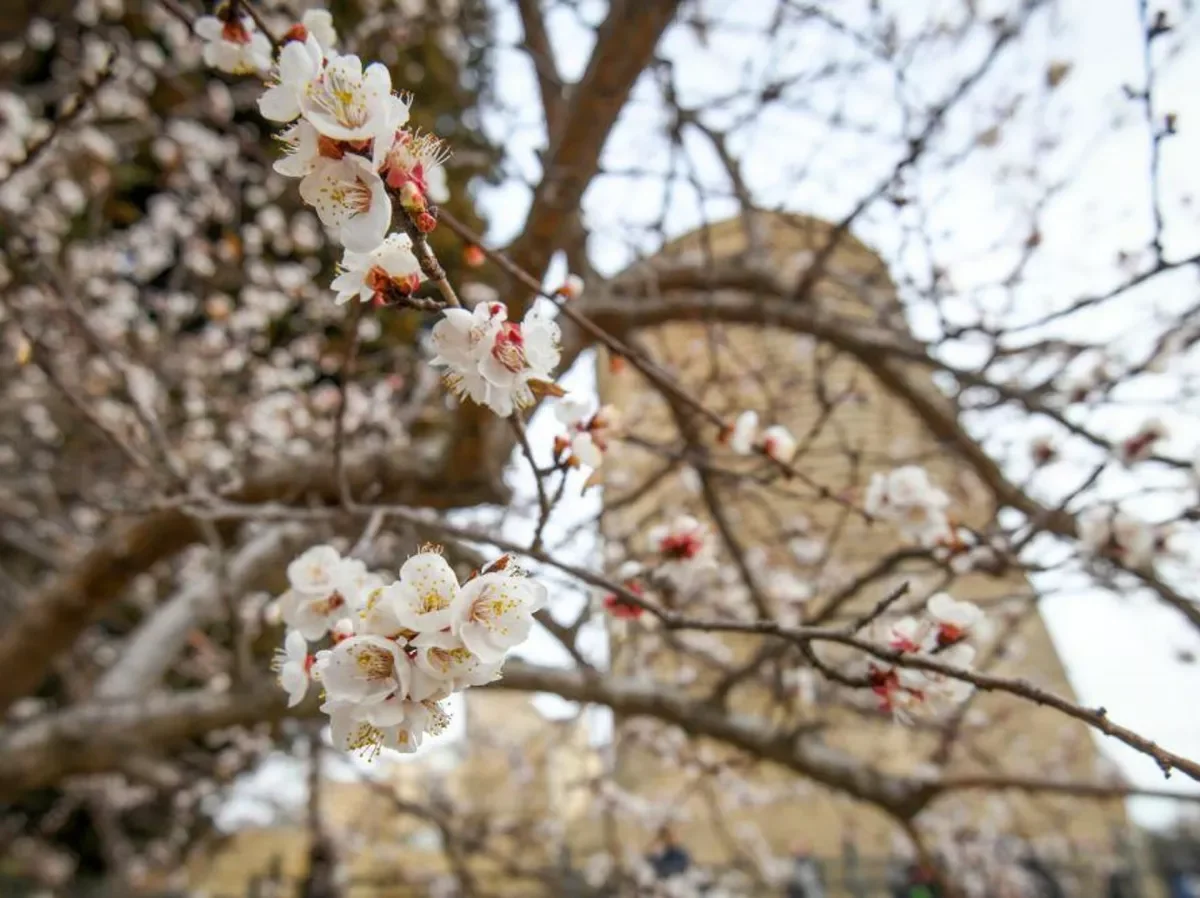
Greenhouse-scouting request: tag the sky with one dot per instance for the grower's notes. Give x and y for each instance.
(1120, 651)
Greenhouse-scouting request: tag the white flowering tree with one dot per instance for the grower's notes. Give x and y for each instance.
(270, 409)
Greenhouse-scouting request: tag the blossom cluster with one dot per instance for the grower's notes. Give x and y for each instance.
(496, 362)
(1109, 532)
(347, 140)
(398, 649)
(775, 441)
(683, 551)
(942, 633)
(588, 432)
(907, 497)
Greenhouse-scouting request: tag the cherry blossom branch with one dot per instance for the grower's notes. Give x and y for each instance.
(430, 266)
(800, 636)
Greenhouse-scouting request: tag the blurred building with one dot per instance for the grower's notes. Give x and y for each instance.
(505, 795)
(804, 549)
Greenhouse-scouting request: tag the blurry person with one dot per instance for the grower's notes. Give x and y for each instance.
(669, 858)
(805, 879)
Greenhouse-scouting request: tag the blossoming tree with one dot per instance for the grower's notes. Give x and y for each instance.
(299, 382)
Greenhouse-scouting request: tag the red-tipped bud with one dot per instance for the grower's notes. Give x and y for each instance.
(296, 33)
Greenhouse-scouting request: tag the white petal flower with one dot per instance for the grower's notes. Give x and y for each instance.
(779, 443)
(350, 731)
(319, 24)
(941, 690)
(491, 359)
(1133, 540)
(584, 448)
(955, 620)
(351, 199)
(356, 583)
(236, 46)
(313, 615)
(316, 570)
(907, 634)
(378, 617)
(542, 336)
(906, 497)
(420, 718)
(443, 657)
(299, 66)
(745, 432)
(347, 103)
(364, 669)
(380, 689)
(423, 597)
(684, 551)
(494, 612)
(1110, 532)
(19, 128)
(572, 287)
(460, 338)
(573, 409)
(302, 150)
(293, 663)
(365, 274)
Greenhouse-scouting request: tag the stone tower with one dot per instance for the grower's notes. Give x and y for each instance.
(849, 424)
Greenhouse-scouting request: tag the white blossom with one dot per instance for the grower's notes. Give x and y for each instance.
(316, 570)
(573, 409)
(584, 448)
(955, 620)
(906, 497)
(492, 360)
(300, 64)
(400, 648)
(494, 612)
(779, 443)
(941, 691)
(351, 199)
(235, 46)
(363, 275)
(302, 150)
(444, 657)
(293, 663)
(18, 130)
(745, 433)
(346, 102)
(422, 598)
(363, 669)
(572, 287)
(1110, 532)
(588, 432)
(683, 548)
(319, 24)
